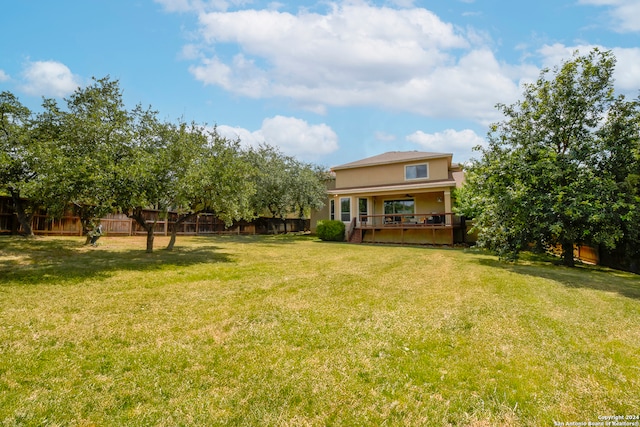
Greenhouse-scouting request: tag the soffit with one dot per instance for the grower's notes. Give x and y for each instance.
(426, 186)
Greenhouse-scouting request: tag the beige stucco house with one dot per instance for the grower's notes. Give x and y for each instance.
(397, 197)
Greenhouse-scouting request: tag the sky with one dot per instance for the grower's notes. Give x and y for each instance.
(328, 82)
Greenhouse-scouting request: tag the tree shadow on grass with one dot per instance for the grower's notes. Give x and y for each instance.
(62, 261)
(279, 239)
(580, 276)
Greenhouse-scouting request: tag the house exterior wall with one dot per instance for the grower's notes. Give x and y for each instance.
(383, 178)
(424, 202)
(387, 174)
(412, 237)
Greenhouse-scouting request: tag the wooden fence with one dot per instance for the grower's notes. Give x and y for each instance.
(121, 225)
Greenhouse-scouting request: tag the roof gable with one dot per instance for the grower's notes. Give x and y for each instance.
(393, 157)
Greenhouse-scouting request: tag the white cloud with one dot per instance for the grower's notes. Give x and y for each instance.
(178, 5)
(247, 137)
(190, 52)
(625, 13)
(198, 5)
(469, 88)
(293, 136)
(49, 78)
(384, 136)
(240, 76)
(627, 71)
(4, 77)
(460, 143)
(356, 54)
(403, 3)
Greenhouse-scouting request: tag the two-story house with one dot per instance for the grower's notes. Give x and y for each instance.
(397, 197)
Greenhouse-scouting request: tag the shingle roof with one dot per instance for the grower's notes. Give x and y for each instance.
(392, 157)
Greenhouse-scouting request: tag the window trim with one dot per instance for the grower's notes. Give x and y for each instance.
(426, 165)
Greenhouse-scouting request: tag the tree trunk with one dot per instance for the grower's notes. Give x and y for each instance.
(85, 230)
(172, 241)
(174, 230)
(137, 216)
(150, 239)
(23, 217)
(567, 253)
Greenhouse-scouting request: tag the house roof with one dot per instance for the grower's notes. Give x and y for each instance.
(393, 157)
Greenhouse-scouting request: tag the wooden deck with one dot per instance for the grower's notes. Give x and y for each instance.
(432, 228)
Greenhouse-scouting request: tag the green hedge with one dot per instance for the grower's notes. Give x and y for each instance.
(330, 230)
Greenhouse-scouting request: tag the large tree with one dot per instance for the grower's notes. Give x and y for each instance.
(618, 157)
(141, 177)
(117, 158)
(537, 182)
(19, 154)
(94, 135)
(309, 185)
(284, 185)
(208, 174)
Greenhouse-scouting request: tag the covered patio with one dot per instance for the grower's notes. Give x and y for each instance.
(436, 228)
(386, 216)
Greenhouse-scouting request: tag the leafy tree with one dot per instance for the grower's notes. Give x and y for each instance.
(209, 174)
(94, 135)
(536, 182)
(140, 178)
(273, 183)
(618, 157)
(309, 189)
(19, 153)
(285, 185)
(185, 147)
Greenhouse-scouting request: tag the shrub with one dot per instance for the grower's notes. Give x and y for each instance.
(330, 230)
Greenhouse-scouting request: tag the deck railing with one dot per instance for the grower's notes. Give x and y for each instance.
(434, 219)
(351, 229)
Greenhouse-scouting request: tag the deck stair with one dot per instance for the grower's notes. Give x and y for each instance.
(356, 236)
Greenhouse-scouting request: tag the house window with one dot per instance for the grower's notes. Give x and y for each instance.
(363, 209)
(332, 209)
(398, 207)
(416, 171)
(345, 209)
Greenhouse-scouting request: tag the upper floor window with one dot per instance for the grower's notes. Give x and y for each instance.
(416, 171)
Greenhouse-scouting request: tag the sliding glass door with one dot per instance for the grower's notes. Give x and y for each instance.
(391, 207)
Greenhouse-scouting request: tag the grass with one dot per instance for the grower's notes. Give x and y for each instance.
(291, 331)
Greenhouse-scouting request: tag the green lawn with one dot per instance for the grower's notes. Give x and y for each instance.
(291, 331)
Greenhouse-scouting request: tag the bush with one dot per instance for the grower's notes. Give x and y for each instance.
(330, 230)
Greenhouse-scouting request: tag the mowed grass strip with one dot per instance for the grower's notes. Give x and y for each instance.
(291, 331)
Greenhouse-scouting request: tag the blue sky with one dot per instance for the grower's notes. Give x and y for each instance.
(327, 82)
